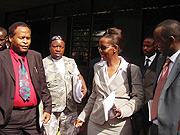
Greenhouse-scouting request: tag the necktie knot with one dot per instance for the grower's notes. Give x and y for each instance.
(20, 59)
(167, 62)
(21, 63)
(147, 59)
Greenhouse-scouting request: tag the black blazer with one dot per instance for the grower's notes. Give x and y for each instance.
(148, 76)
(7, 83)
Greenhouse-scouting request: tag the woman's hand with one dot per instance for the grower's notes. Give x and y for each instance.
(78, 123)
(118, 112)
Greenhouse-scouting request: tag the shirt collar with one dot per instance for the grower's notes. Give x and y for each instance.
(151, 58)
(122, 66)
(15, 55)
(174, 56)
(57, 61)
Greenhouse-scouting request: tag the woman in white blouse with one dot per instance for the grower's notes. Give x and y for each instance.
(110, 75)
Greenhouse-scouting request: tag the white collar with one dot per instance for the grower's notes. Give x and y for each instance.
(174, 56)
(122, 66)
(151, 58)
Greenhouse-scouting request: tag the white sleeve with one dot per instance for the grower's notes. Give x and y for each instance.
(76, 70)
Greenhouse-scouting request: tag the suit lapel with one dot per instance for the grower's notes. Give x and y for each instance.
(161, 61)
(31, 63)
(103, 81)
(118, 80)
(160, 64)
(152, 66)
(142, 65)
(6, 59)
(173, 74)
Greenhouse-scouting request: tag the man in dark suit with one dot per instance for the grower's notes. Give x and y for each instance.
(147, 63)
(22, 85)
(165, 112)
(3, 38)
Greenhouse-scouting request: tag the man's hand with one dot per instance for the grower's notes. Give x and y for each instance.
(84, 91)
(46, 117)
(84, 88)
(78, 123)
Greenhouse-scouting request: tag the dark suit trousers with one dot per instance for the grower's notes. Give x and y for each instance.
(154, 129)
(22, 122)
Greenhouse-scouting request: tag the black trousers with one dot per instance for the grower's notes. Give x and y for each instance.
(22, 122)
(154, 129)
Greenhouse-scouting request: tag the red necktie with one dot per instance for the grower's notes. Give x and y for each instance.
(159, 87)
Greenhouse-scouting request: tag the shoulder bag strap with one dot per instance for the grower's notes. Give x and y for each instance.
(129, 79)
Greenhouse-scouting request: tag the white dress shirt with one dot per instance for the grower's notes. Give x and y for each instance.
(150, 59)
(60, 65)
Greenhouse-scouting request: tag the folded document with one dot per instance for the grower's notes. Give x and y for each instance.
(108, 104)
(77, 85)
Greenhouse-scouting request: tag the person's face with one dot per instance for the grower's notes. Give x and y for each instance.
(164, 45)
(57, 48)
(148, 47)
(106, 49)
(3, 39)
(21, 41)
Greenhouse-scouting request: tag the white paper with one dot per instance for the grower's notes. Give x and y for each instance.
(108, 104)
(41, 110)
(149, 108)
(77, 85)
